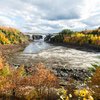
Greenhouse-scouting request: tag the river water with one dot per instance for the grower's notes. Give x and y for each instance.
(54, 56)
(37, 46)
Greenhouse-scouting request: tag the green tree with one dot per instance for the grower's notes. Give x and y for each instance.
(66, 32)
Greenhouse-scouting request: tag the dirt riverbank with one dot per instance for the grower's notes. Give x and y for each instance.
(7, 50)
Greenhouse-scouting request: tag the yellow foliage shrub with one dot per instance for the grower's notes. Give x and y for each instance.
(11, 36)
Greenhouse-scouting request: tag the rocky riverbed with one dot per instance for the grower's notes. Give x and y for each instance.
(64, 62)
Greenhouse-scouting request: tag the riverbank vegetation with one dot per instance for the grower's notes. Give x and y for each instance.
(42, 84)
(10, 35)
(87, 38)
(38, 82)
(12, 40)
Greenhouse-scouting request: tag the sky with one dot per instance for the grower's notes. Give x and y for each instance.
(50, 16)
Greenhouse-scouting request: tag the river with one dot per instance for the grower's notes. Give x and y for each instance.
(54, 56)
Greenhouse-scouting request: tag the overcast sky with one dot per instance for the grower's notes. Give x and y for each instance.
(50, 15)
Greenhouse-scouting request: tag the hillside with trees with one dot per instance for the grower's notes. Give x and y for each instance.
(88, 38)
(10, 35)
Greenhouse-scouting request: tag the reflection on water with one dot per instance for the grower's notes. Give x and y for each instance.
(37, 46)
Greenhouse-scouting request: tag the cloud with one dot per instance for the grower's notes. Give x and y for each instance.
(6, 21)
(50, 15)
(92, 21)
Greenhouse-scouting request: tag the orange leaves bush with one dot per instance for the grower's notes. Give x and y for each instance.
(12, 80)
(94, 84)
(2, 61)
(96, 77)
(44, 77)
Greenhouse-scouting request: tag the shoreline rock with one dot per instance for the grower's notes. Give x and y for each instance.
(72, 73)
